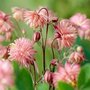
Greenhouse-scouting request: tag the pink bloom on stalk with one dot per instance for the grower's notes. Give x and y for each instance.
(5, 23)
(3, 51)
(6, 74)
(65, 33)
(76, 57)
(34, 19)
(82, 23)
(22, 51)
(68, 74)
(18, 13)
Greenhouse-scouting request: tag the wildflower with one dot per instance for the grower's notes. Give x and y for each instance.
(65, 33)
(3, 51)
(34, 19)
(68, 74)
(77, 56)
(22, 51)
(5, 24)
(82, 23)
(6, 74)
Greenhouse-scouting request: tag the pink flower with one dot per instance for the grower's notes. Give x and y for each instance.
(22, 51)
(68, 74)
(65, 33)
(18, 13)
(76, 57)
(82, 22)
(34, 19)
(6, 74)
(3, 51)
(5, 24)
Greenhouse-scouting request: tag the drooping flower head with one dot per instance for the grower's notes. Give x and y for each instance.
(34, 19)
(67, 73)
(6, 25)
(65, 33)
(6, 74)
(22, 51)
(77, 56)
(82, 22)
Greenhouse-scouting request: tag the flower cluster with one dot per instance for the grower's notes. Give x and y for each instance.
(65, 68)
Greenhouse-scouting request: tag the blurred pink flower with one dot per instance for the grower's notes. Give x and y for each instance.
(6, 24)
(76, 57)
(34, 19)
(67, 74)
(3, 51)
(6, 74)
(18, 13)
(22, 51)
(65, 33)
(82, 22)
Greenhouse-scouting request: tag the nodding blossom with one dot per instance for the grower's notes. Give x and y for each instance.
(83, 25)
(6, 25)
(65, 33)
(22, 51)
(34, 19)
(67, 73)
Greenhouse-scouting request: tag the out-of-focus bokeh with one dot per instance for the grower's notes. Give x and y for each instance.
(63, 8)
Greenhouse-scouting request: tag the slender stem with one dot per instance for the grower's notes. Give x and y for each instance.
(43, 51)
(34, 75)
(52, 48)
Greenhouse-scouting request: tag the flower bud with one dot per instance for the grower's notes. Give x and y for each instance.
(36, 37)
(48, 77)
(54, 62)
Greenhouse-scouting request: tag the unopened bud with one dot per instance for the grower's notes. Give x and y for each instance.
(36, 37)
(48, 77)
(54, 62)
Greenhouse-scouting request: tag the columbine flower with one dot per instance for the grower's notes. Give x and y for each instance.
(22, 51)
(77, 56)
(3, 51)
(65, 33)
(18, 13)
(6, 74)
(67, 74)
(34, 19)
(82, 22)
(5, 23)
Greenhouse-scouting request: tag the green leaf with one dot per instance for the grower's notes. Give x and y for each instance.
(23, 78)
(43, 86)
(64, 86)
(84, 77)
